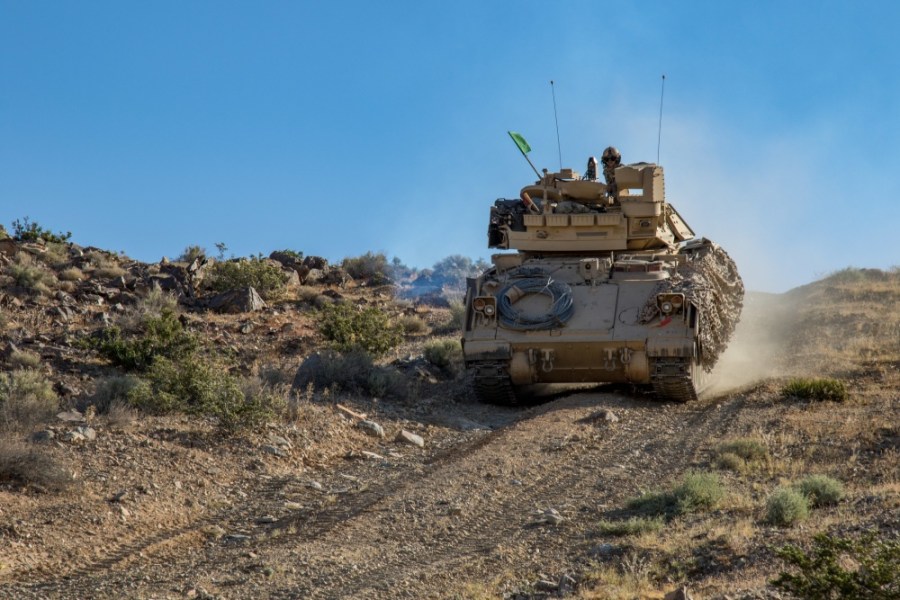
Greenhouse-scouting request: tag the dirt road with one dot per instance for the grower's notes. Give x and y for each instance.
(437, 523)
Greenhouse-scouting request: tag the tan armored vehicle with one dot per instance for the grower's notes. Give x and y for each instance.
(608, 285)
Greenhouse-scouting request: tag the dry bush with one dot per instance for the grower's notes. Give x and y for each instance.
(113, 391)
(741, 454)
(356, 372)
(151, 306)
(30, 275)
(457, 315)
(71, 274)
(120, 414)
(26, 398)
(110, 272)
(412, 325)
(822, 389)
(24, 359)
(28, 465)
(445, 354)
(631, 526)
(191, 253)
(306, 293)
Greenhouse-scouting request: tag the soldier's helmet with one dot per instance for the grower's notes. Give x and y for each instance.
(611, 155)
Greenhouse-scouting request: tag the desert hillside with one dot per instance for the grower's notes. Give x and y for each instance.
(282, 427)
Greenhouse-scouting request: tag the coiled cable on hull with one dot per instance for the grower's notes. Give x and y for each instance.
(561, 305)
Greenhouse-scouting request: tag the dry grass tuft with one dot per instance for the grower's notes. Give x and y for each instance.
(27, 465)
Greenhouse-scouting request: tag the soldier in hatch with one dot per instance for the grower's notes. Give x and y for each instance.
(611, 159)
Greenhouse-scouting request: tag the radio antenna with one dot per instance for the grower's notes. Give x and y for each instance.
(662, 92)
(556, 119)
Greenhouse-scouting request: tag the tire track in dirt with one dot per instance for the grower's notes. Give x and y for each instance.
(492, 525)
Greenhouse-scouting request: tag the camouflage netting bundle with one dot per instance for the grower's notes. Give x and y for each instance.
(709, 279)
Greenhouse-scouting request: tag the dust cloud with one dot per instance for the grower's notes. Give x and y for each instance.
(759, 347)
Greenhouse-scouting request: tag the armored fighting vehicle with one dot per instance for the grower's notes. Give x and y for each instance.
(608, 284)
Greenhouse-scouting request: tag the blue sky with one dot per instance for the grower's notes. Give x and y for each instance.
(341, 127)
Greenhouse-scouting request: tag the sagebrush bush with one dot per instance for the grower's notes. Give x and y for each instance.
(816, 389)
(267, 278)
(30, 275)
(695, 492)
(113, 390)
(786, 506)
(109, 272)
(24, 359)
(25, 464)
(161, 336)
(739, 454)
(356, 372)
(412, 325)
(835, 567)
(348, 327)
(445, 354)
(371, 267)
(457, 315)
(821, 490)
(632, 526)
(26, 398)
(150, 306)
(71, 274)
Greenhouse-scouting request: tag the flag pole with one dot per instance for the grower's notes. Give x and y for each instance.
(533, 168)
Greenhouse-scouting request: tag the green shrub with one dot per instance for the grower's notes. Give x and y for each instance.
(161, 336)
(204, 387)
(695, 492)
(698, 491)
(265, 277)
(356, 372)
(25, 230)
(835, 567)
(28, 465)
(786, 506)
(443, 353)
(740, 453)
(412, 325)
(26, 398)
(821, 490)
(816, 389)
(632, 526)
(368, 329)
(150, 306)
(370, 267)
(191, 253)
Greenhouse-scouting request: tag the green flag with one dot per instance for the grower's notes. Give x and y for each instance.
(523, 146)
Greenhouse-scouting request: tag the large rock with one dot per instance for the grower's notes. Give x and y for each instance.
(315, 262)
(237, 301)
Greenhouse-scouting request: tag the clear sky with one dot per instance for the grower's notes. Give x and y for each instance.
(334, 128)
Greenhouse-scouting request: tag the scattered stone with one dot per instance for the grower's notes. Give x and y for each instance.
(237, 301)
(279, 441)
(372, 455)
(265, 520)
(73, 436)
(681, 593)
(71, 416)
(601, 416)
(273, 450)
(545, 585)
(316, 486)
(315, 262)
(549, 516)
(117, 497)
(604, 550)
(566, 585)
(89, 433)
(246, 328)
(293, 506)
(371, 427)
(43, 436)
(237, 538)
(410, 438)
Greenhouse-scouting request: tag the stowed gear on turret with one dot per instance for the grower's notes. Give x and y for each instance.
(611, 160)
